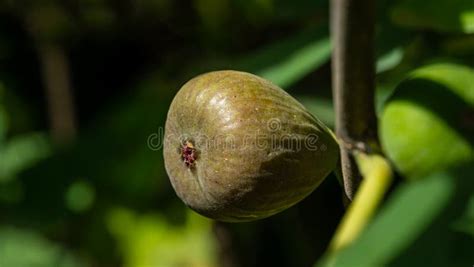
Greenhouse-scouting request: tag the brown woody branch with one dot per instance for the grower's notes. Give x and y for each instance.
(352, 31)
(55, 69)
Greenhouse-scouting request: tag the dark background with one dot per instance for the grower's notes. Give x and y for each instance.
(79, 185)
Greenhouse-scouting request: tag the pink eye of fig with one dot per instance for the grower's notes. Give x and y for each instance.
(259, 150)
(188, 154)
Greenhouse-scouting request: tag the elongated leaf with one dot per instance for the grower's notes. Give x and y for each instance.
(321, 108)
(418, 216)
(298, 63)
(389, 60)
(287, 61)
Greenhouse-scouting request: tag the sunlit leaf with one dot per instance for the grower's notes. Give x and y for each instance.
(458, 78)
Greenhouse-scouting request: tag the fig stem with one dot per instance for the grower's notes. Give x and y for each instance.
(353, 77)
(377, 175)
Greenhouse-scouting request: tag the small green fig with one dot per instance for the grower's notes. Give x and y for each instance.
(238, 148)
(428, 123)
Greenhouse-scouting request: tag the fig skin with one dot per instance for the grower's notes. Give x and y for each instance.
(428, 123)
(238, 148)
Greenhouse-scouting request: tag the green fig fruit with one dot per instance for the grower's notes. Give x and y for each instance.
(238, 148)
(428, 123)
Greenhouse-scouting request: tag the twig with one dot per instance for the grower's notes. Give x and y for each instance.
(352, 30)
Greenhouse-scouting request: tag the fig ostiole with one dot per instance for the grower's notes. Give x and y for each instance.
(239, 148)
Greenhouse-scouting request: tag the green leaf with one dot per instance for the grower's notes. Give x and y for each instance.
(80, 196)
(442, 244)
(440, 15)
(321, 108)
(3, 124)
(150, 240)
(21, 153)
(407, 214)
(466, 222)
(418, 216)
(438, 99)
(21, 248)
(287, 61)
(458, 78)
(298, 64)
(3, 117)
(389, 60)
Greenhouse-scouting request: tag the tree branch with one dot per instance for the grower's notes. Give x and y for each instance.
(48, 34)
(55, 68)
(226, 245)
(352, 31)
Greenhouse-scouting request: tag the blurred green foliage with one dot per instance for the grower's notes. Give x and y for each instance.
(21, 247)
(104, 199)
(149, 240)
(419, 226)
(442, 15)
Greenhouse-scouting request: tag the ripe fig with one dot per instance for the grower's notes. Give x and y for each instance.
(428, 123)
(238, 148)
